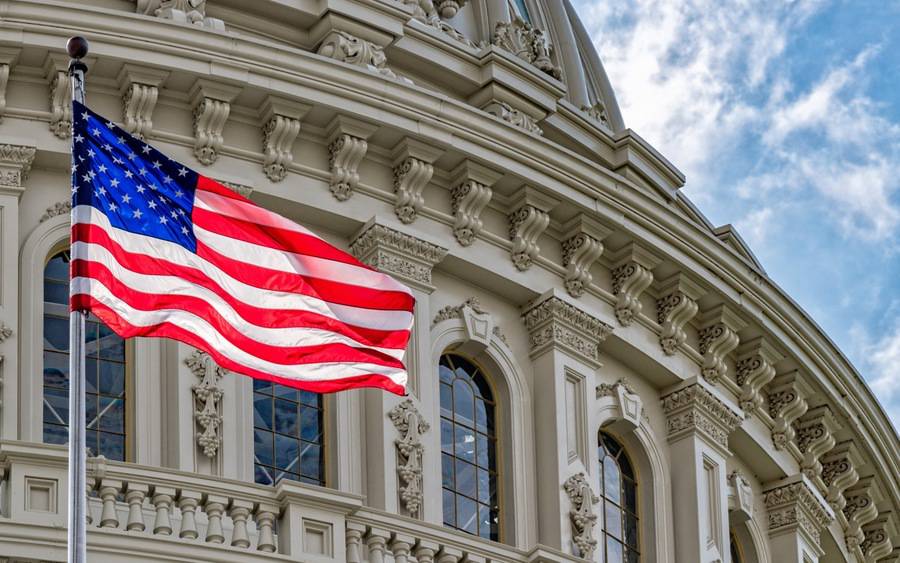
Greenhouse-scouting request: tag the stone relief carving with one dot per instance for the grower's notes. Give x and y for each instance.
(238, 188)
(786, 404)
(859, 511)
(582, 514)
(405, 256)
(426, 12)
(676, 306)
(631, 407)
(529, 219)
(740, 495)
(346, 152)
(61, 104)
(695, 409)
(839, 473)
(207, 397)
(597, 112)
(555, 323)
(209, 120)
(754, 369)
(139, 101)
(342, 46)
(511, 115)
(181, 11)
(478, 322)
(468, 200)
(410, 424)
(718, 338)
(526, 42)
(814, 436)
(630, 277)
(5, 332)
(279, 134)
(794, 505)
(410, 178)
(59, 208)
(15, 163)
(582, 246)
(877, 539)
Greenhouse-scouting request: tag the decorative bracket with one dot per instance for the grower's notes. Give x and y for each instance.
(5, 332)
(212, 104)
(411, 425)
(718, 338)
(413, 169)
(529, 219)
(839, 473)
(207, 399)
(15, 163)
(755, 368)
(8, 57)
(695, 408)
(281, 120)
(56, 70)
(408, 258)
(877, 543)
(859, 511)
(140, 89)
(786, 404)
(582, 246)
(740, 497)
(631, 407)
(631, 275)
(676, 306)
(597, 112)
(470, 195)
(553, 323)
(583, 499)
(815, 436)
(347, 147)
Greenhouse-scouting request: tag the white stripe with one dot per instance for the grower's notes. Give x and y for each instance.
(330, 371)
(174, 285)
(139, 244)
(238, 209)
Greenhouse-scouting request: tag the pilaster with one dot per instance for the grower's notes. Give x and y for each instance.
(797, 514)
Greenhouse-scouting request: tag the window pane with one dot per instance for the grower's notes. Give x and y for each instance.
(262, 411)
(112, 415)
(309, 424)
(447, 471)
(112, 446)
(56, 370)
(630, 496)
(287, 452)
(310, 460)
(611, 483)
(484, 521)
(483, 450)
(613, 521)
(54, 434)
(466, 515)
(56, 334)
(446, 436)
(484, 486)
(631, 531)
(262, 447)
(55, 292)
(464, 403)
(465, 444)
(262, 475)
(112, 378)
(613, 551)
(446, 400)
(262, 386)
(286, 417)
(288, 434)
(449, 500)
(56, 406)
(465, 479)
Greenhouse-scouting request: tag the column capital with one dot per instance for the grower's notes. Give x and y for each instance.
(408, 258)
(15, 163)
(793, 505)
(553, 323)
(695, 407)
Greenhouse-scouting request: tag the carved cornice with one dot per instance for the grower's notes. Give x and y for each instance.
(346, 48)
(754, 369)
(180, 11)
(553, 323)
(282, 122)
(718, 338)
(583, 499)
(399, 254)
(140, 88)
(347, 147)
(631, 275)
(207, 400)
(212, 104)
(528, 220)
(413, 168)
(411, 425)
(695, 409)
(513, 116)
(526, 42)
(59, 208)
(582, 246)
(815, 436)
(238, 188)
(859, 510)
(786, 395)
(676, 306)
(470, 195)
(15, 163)
(794, 506)
(839, 473)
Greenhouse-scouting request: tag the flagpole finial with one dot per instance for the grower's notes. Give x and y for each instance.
(77, 47)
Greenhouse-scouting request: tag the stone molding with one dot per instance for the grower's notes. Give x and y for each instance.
(815, 436)
(469, 196)
(859, 510)
(794, 506)
(553, 323)
(411, 425)
(839, 473)
(695, 409)
(526, 42)
(346, 48)
(180, 11)
(413, 169)
(754, 369)
(59, 208)
(529, 219)
(631, 407)
(582, 515)
(212, 105)
(582, 246)
(675, 307)
(408, 258)
(15, 164)
(740, 496)
(140, 90)
(478, 323)
(718, 337)
(786, 403)
(207, 401)
(513, 116)
(347, 146)
(282, 122)
(631, 275)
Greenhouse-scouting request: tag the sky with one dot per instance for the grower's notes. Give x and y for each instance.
(784, 116)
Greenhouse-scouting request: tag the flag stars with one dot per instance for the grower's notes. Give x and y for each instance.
(86, 177)
(166, 180)
(142, 171)
(102, 168)
(132, 156)
(163, 220)
(107, 147)
(113, 207)
(137, 214)
(86, 116)
(182, 172)
(179, 193)
(156, 165)
(126, 198)
(121, 140)
(95, 132)
(184, 230)
(152, 204)
(110, 124)
(146, 149)
(114, 183)
(79, 138)
(129, 174)
(91, 153)
(140, 189)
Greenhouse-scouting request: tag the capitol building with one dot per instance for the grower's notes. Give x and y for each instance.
(597, 372)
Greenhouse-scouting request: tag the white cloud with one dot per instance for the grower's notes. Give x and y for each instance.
(756, 226)
(881, 358)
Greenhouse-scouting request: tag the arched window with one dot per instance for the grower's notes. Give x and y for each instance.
(618, 489)
(288, 434)
(736, 555)
(468, 449)
(105, 371)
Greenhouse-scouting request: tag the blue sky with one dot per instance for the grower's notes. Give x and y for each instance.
(785, 117)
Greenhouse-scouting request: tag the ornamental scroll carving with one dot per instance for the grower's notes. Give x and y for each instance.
(814, 436)
(430, 13)
(582, 246)
(695, 409)
(582, 514)
(182, 11)
(553, 323)
(469, 196)
(58, 208)
(676, 306)
(399, 254)
(877, 542)
(839, 473)
(410, 424)
(786, 405)
(513, 116)
(630, 277)
(795, 506)
(207, 401)
(631, 407)
(60, 104)
(526, 42)
(754, 369)
(718, 338)
(15, 163)
(139, 102)
(209, 121)
(342, 46)
(859, 511)
(527, 222)
(479, 324)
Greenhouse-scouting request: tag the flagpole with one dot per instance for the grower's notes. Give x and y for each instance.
(77, 546)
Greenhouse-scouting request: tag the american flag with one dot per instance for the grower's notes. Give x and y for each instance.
(160, 250)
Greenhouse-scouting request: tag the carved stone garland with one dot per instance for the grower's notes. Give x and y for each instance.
(410, 424)
(207, 397)
(582, 514)
(526, 42)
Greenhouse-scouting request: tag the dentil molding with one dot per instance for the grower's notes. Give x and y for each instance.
(553, 323)
(582, 515)
(408, 258)
(207, 401)
(411, 425)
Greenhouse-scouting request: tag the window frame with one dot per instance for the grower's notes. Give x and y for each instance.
(624, 513)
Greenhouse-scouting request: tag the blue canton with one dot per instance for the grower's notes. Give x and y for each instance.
(137, 187)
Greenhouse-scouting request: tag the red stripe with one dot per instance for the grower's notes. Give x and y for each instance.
(285, 355)
(210, 185)
(167, 330)
(326, 290)
(271, 237)
(268, 317)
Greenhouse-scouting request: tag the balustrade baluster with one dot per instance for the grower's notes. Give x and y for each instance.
(449, 555)
(355, 533)
(136, 492)
(240, 511)
(187, 502)
(376, 544)
(425, 551)
(162, 500)
(109, 490)
(215, 507)
(401, 547)
(265, 524)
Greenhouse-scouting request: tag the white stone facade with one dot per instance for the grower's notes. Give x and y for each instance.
(474, 150)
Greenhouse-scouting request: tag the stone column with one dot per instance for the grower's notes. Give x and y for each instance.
(565, 356)
(700, 419)
(410, 260)
(15, 162)
(797, 514)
